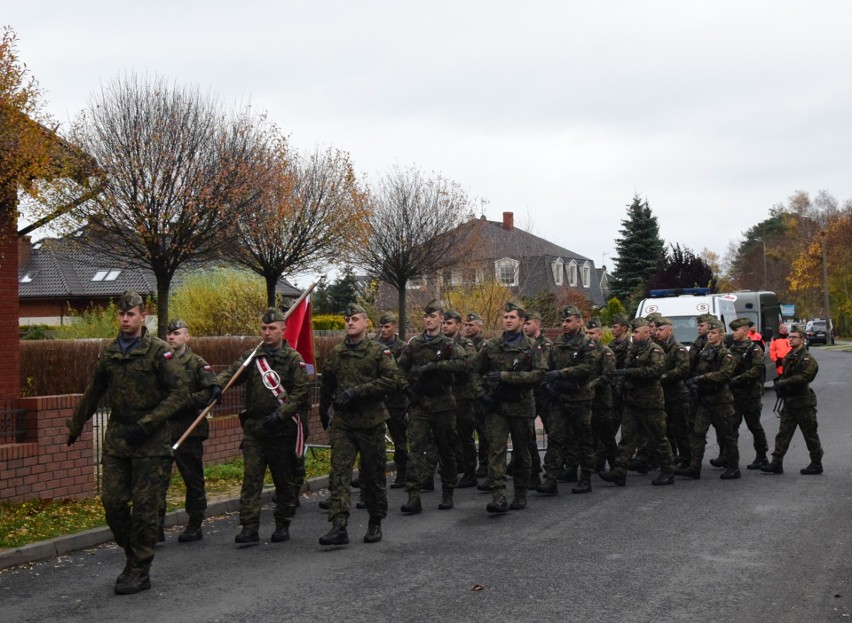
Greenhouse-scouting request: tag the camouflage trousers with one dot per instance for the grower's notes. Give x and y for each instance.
(369, 445)
(749, 410)
(279, 455)
(397, 425)
(806, 419)
(190, 464)
(500, 428)
(465, 431)
(481, 434)
(721, 416)
(677, 429)
(570, 423)
(605, 425)
(648, 424)
(133, 491)
(425, 431)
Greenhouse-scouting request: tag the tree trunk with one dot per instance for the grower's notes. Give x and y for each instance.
(270, 290)
(402, 290)
(164, 284)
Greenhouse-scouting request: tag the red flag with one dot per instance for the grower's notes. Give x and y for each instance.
(299, 333)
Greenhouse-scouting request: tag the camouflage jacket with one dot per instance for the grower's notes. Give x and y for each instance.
(521, 365)
(620, 348)
(429, 367)
(478, 341)
(394, 399)
(713, 372)
(646, 363)
(542, 396)
(800, 369)
(576, 357)
(602, 378)
(147, 387)
(695, 350)
(200, 377)
(748, 369)
(462, 387)
(370, 369)
(260, 402)
(677, 370)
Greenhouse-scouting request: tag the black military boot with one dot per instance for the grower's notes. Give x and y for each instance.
(192, 532)
(663, 479)
(124, 572)
(568, 475)
(775, 467)
(534, 482)
(481, 471)
(548, 486)
(362, 500)
(499, 504)
(325, 503)
(248, 535)
(812, 469)
(446, 501)
(412, 506)
(689, 472)
(635, 465)
(428, 484)
(466, 482)
(519, 503)
(282, 532)
(486, 485)
(617, 478)
(732, 473)
(584, 484)
(135, 581)
(336, 536)
(399, 481)
(718, 461)
(161, 538)
(759, 461)
(374, 531)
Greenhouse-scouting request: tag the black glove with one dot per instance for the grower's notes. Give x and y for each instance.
(135, 435)
(345, 398)
(779, 362)
(325, 420)
(494, 375)
(488, 402)
(215, 394)
(692, 383)
(71, 440)
(622, 372)
(412, 396)
(424, 368)
(553, 375)
(273, 423)
(567, 386)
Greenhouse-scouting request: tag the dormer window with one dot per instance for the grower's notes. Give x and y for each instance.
(557, 268)
(587, 275)
(106, 275)
(572, 274)
(506, 271)
(28, 277)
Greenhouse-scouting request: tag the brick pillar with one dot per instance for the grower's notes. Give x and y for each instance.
(10, 371)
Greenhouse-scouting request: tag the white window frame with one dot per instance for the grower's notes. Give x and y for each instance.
(507, 262)
(100, 275)
(557, 267)
(113, 274)
(586, 275)
(571, 269)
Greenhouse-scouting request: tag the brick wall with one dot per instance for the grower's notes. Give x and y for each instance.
(10, 371)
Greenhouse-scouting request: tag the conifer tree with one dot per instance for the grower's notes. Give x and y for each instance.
(640, 252)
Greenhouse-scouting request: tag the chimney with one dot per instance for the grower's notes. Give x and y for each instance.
(25, 250)
(508, 221)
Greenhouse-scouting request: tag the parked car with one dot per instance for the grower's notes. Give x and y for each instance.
(820, 332)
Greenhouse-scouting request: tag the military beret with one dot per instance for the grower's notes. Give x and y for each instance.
(662, 320)
(653, 316)
(352, 309)
(706, 318)
(272, 314)
(129, 300)
(618, 319)
(638, 322)
(533, 315)
(388, 318)
(176, 324)
(473, 317)
(570, 310)
(715, 323)
(594, 323)
(452, 314)
(738, 323)
(434, 306)
(515, 306)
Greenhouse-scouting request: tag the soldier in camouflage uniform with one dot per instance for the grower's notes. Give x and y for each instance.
(532, 329)
(429, 361)
(643, 406)
(274, 426)
(395, 401)
(605, 422)
(204, 389)
(466, 402)
(147, 387)
(747, 386)
(800, 369)
(512, 366)
(710, 385)
(473, 331)
(620, 346)
(356, 378)
(674, 389)
(572, 364)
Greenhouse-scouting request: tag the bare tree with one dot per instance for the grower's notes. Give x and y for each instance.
(302, 216)
(176, 174)
(413, 229)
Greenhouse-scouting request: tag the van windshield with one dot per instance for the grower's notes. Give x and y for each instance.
(685, 328)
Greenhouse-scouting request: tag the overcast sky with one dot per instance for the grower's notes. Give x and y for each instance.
(557, 111)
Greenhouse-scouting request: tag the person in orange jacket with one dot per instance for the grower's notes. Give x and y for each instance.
(779, 347)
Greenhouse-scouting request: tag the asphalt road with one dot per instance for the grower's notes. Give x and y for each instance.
(763, 548)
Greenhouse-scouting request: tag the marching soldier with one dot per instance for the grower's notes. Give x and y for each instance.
(674, 390)
(512, 366)
(473, 331)
(274, 426)
(430, 360)
(395, 401)
(147, 387)
(203, 390)
(532, 329)
(643, 406)
(800, 369)
(465, 395)
(605, 422)
(710, 383)
(747, 386)
(356, 378)
(573, 362)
